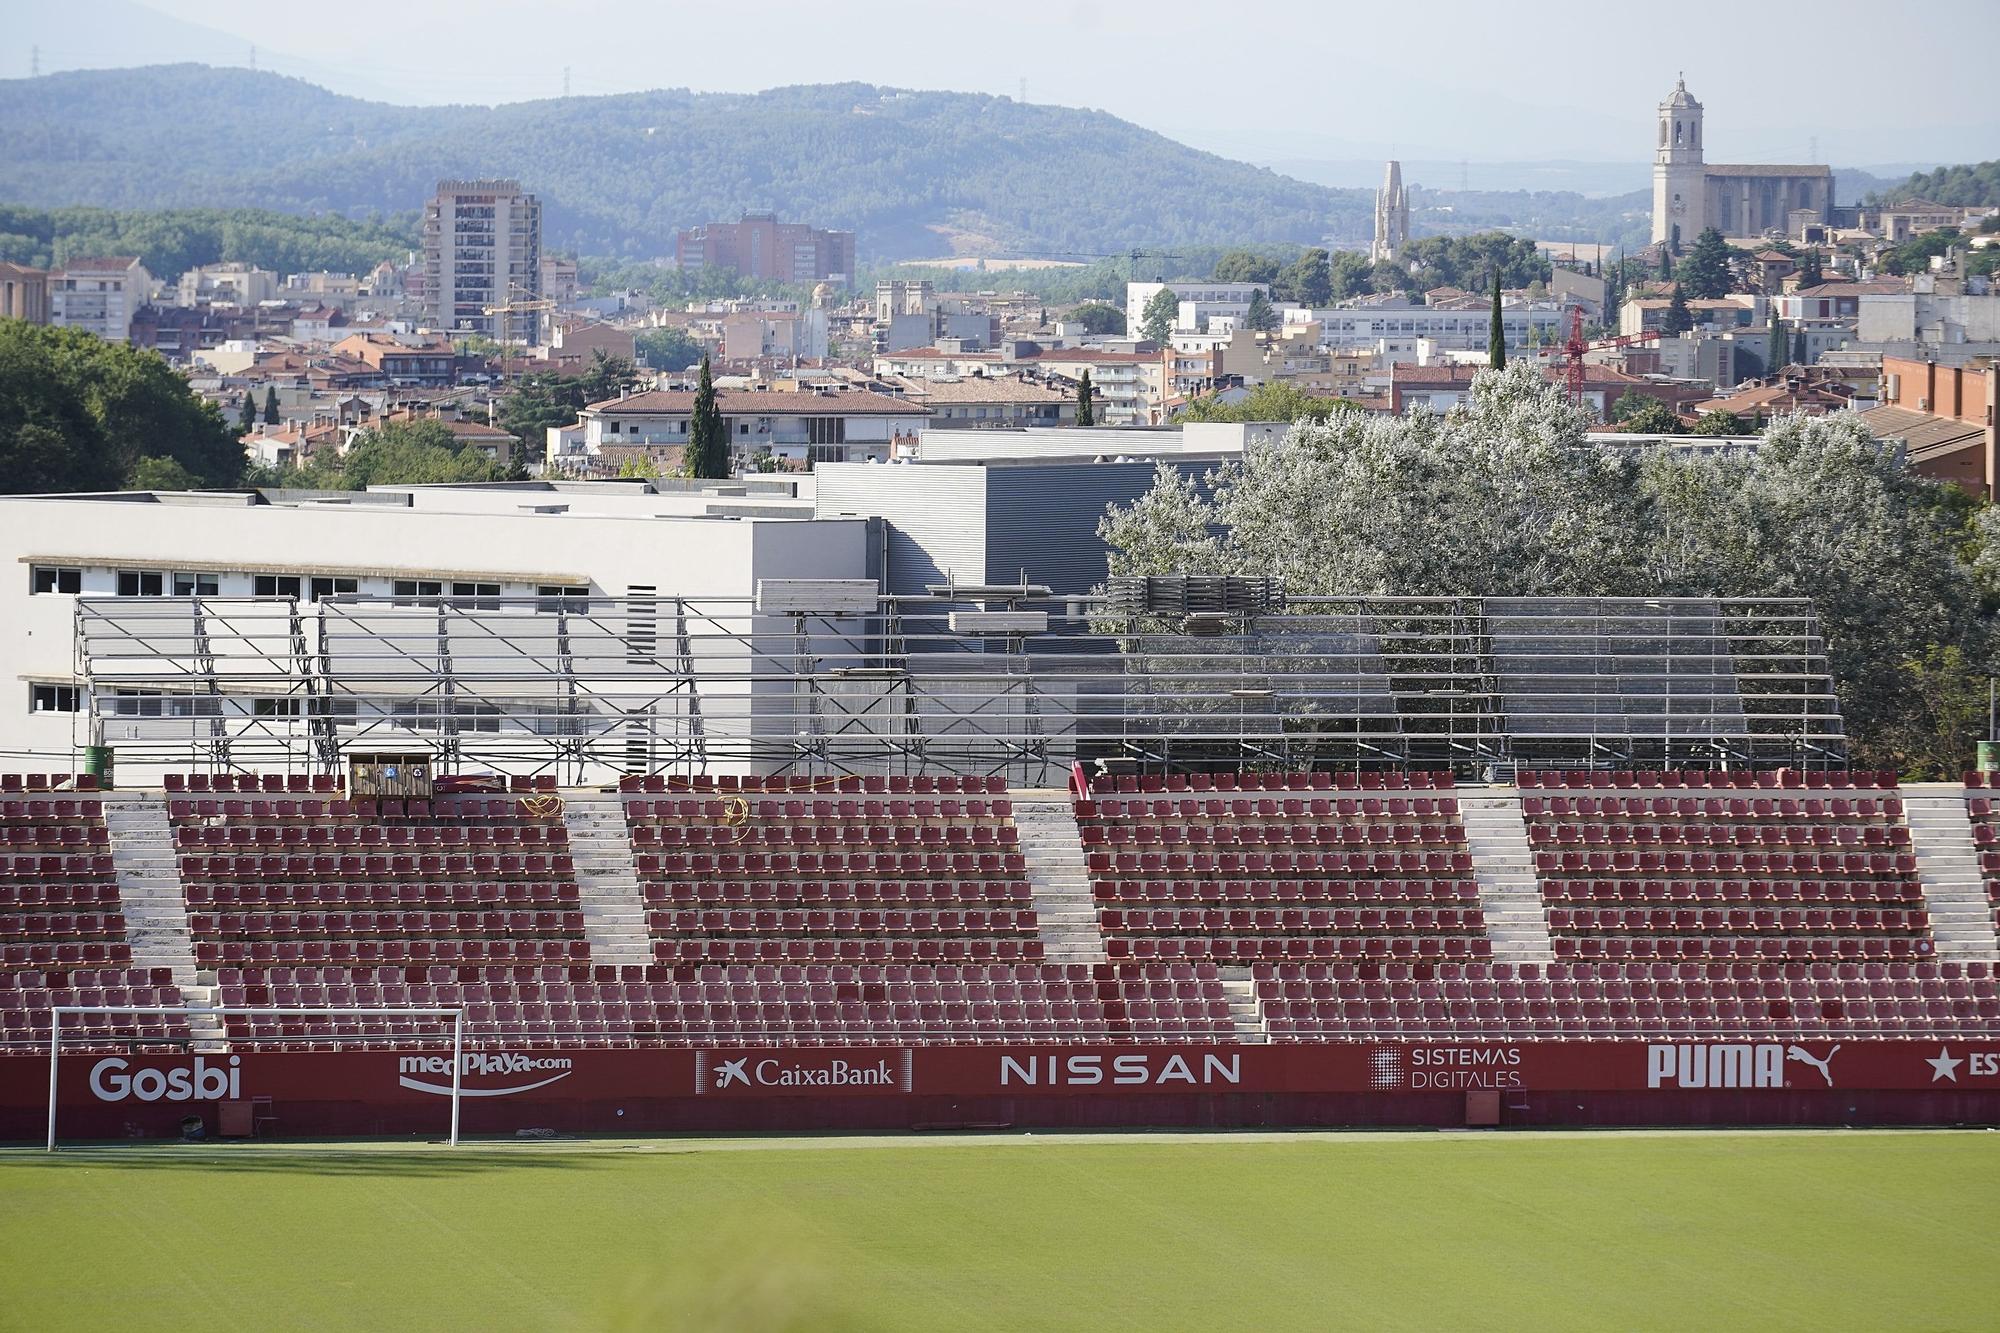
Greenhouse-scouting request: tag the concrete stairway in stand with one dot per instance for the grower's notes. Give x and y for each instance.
(614, 906)
(1052, 849)
(1948, 865)
(1244, 1010)
(1504, 865)
(154, 901)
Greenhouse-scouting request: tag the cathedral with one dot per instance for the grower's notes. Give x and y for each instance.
(1689, 194)
(1392, 216)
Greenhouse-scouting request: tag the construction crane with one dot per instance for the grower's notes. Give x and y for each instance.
(509, 308)
(1574, 348)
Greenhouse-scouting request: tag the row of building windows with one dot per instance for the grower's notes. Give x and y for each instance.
(66, 579)
(413, 714)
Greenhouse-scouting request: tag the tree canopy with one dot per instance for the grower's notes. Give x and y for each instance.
(1704, 273)
(1505, 496)
(80, 414)
(398, 453)
(1157, 316)
(1270, 401)
(171, 241)
(1099, 317)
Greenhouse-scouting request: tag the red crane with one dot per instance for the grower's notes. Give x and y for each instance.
(1574, 349)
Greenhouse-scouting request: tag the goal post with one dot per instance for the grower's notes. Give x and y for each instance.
(456, 1015)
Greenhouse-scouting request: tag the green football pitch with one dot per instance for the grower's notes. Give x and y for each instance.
(1573, 1230)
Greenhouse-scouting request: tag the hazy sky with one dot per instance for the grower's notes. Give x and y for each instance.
(1446, 79)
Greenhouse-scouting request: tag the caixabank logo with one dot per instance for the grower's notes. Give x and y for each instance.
(484, 1073)
(802, 1071)
(1737, 1064)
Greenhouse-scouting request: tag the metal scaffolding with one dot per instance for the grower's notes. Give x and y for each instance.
(1017, 682)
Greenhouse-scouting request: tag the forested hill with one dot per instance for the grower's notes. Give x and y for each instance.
(907, 171)
(1973, 185)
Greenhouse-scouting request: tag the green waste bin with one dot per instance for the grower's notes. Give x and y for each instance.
(98, 763)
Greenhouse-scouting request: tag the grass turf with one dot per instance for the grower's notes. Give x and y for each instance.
(1778, 1230)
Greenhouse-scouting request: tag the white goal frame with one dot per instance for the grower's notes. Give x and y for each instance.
(457, 1017)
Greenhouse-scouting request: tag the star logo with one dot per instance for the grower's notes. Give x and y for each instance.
(1945, 1065)
(732, 1071)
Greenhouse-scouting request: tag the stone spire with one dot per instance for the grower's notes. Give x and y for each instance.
(1392, 215)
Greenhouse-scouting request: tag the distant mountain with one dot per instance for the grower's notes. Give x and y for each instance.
(915, 174)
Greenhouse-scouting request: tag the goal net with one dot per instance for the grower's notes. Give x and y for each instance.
(91, 1025)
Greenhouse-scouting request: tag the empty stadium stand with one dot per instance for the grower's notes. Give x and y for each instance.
(878, 910)
(836, 870)
(1240, 868)
(1725, 865)
(786, 1004)
(316, 879)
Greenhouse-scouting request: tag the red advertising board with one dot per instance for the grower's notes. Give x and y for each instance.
(407, 1091)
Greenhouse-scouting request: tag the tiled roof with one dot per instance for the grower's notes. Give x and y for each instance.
(1759, 169)
(1923, 433)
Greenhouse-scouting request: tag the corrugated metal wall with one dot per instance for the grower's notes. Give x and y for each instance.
(935, 516)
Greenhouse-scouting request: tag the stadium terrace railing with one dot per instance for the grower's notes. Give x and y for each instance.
(587, 688)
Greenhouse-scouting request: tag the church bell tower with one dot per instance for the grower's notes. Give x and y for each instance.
(1679, 195)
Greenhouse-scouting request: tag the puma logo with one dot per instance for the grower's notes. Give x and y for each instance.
(1800, 1054)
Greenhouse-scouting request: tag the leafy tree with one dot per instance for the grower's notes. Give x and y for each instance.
(1099, 317)
(668, 348)
(1978, 184)
(708, 444)
(1704, 274)
(397, 453)
(1349, 273)
(1504, 496)
(639, 467)
(1157, 316)
(1086, 400)
(606, 376)
(1678, 319)
(1811, 269)
(160, 474)
(1915, 254)
(78, 413)
(1245, 266)
(1649, 417)
(1723, 424)
(1308, 280)
(271, 415)
(1270, 401)
(1262, 316)
(1496, 331)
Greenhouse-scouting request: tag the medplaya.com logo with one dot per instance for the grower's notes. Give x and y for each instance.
(484, 1073)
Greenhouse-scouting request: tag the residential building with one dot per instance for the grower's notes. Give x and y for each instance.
(1200, 301)
(483, 251)
(1944, 417)
(407, 362)
(760, 246)
(1777, 395)
(24, 293)
(794, 427)
(559, 280)
(1459, 327)
(99, 295)
(1737, 311)
(789, 336)
(990, 402)
(1898, 222)
(1690, 194)
(1441, 388)
(226, 284)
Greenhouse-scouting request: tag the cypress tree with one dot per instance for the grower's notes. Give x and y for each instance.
(246, 415)
(1496, 333)
(1678, 318)
(271, 406)
(1086, 401)
(1776, 348)
(707, 452)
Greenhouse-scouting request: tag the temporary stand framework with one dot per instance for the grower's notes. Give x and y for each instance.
(1018, 681)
